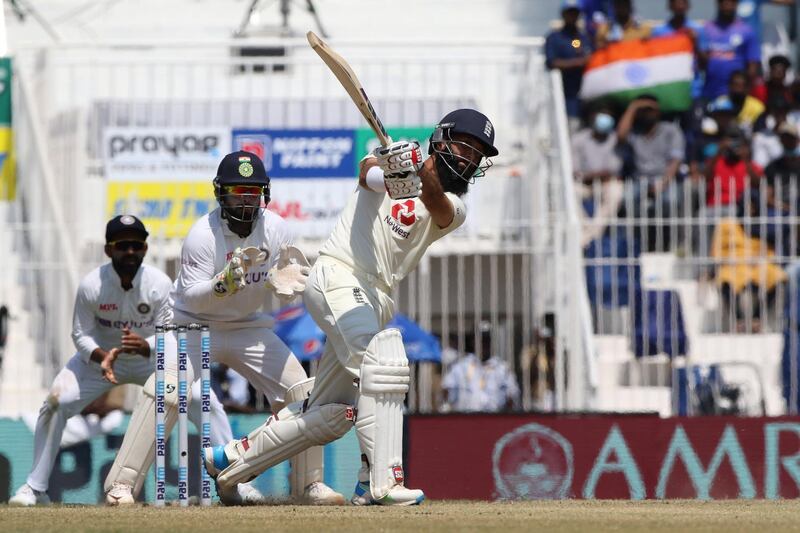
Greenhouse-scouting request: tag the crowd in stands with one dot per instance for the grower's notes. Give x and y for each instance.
(715, 182)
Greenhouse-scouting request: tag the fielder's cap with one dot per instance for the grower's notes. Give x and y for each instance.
(787, 128)
(121, 223)
(570, 4)
(242, 168)
(473, 123)
(721, 104)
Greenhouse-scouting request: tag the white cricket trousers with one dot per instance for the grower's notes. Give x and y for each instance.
(351, 310)
(80, 383)
(254, 352)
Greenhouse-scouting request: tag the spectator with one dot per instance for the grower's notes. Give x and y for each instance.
(720, 117)
(747, 269)
(750, 12)
(728, 45)
(766, 142)
(680, 23)
(596, 12)
(597, 165)
(657, 149)
(568, 50)
(729, 172)
(748, 108)
(782, 173)
(775, 86)
(624, 27)
(481, 385)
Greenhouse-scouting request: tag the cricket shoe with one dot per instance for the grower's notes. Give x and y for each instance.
(242, 494)
(216, 460)
(397, 496)
(27, 497)
(120, 494)
(361, 494)
(318, 493)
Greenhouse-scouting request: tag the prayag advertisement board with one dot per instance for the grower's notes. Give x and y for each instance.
(633, 457)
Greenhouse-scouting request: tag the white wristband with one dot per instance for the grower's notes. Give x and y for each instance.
(374, 179)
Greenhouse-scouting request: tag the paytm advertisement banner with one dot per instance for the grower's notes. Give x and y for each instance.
(81, 469)
(595, 456)
(172, 154)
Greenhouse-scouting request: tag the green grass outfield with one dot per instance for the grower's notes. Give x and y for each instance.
(574, 515)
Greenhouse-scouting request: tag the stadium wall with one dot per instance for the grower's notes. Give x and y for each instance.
(490, 457)
(81, 469)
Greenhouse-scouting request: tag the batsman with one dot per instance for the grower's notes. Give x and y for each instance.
(402, 206)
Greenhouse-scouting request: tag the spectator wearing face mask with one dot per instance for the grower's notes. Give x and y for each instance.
(658, 149)
(597, 165)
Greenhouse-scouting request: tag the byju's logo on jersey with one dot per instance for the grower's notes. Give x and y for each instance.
(404, 212)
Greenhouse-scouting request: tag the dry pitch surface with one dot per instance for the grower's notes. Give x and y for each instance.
(674, 516)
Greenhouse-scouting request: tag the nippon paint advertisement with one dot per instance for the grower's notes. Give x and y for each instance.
(80, 469)
(163, 175)
(634, 457)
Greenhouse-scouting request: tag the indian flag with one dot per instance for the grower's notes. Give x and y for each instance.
(662, 66)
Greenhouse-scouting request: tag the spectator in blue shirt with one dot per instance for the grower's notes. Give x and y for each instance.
(680, 23)
(568, 50)
(728, 45)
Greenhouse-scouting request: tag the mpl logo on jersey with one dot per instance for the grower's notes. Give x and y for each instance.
(301, 153)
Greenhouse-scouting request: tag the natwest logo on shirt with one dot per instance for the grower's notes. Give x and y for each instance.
(403, 212)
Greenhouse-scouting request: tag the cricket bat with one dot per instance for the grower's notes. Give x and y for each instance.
(349, 81)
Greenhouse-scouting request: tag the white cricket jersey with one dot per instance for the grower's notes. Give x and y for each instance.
(386, 238)
(205, 252)
(103, 307)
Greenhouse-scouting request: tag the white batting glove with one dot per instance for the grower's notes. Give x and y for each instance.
(399, 157)
(403, 186)
(288, 277)
(231, 279)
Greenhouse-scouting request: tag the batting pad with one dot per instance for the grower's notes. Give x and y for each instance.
(138, 448)
(306, 467)
(383, 387)
(283, 436)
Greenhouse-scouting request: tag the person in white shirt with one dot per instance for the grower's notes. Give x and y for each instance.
(116, 309)
(481, 384)
(230, 259)
(401, 206)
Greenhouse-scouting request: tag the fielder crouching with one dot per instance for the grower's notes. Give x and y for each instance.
(402, 206)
